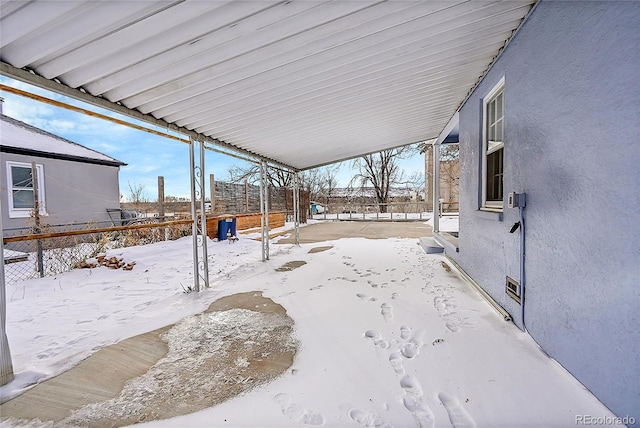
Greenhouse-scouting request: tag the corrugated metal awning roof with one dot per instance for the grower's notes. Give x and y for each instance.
(304, 83)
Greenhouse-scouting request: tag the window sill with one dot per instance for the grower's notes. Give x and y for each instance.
(490, 214)
(25, 214)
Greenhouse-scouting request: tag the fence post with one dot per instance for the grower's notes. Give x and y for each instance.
(212, 192)
(246, 196)
(36, 214)
(160, 196)
(165, 231)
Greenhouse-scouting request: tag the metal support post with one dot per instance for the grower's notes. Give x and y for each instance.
(264, 210)
(6, 365)
(199, 226)
(204, 266)
(261, 182)
(436, 188)
(194, 225)
(296, 206)
(267, 201)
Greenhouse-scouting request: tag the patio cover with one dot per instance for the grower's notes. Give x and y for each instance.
(297, 83)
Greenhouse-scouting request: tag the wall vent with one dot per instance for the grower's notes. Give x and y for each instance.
(513, 289)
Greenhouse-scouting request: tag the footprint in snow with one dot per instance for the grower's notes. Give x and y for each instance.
(367, 419)
(458, 417)
(405, 332)
(410, 350)
(420, 411)
(413, 402)
(387, 311)
(377, 339)
(395, 359)
(411, 387)
(296, 412)
(365, 297)
(372, 334)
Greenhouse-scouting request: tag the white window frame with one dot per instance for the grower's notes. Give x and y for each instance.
(490, 205)
(25, 212)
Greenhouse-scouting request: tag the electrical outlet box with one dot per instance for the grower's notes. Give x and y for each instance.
(516, 200)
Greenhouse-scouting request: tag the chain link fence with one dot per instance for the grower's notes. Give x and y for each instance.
(63, 248)
(46, 250)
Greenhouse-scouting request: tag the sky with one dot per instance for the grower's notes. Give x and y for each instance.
(147, 156)
(403, 343)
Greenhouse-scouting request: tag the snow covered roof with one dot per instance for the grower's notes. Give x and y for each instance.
(300, 83)
(22, 138)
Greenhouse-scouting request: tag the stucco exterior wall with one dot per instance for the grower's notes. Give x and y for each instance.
(572, 143)
(75, 192)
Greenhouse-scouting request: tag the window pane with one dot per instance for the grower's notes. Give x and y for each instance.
(23, 199)
(494, 175)
(499, 131)
(499, 109)
(21, 177)
(491, 113)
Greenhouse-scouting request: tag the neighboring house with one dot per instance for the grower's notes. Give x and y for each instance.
(75, 184)
(557, 117)
(449, 184)
(449, 177)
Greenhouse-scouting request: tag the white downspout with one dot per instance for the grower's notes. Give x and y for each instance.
(519, 200)
(522, 256)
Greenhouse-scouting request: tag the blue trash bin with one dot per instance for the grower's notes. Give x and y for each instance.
(225, 226)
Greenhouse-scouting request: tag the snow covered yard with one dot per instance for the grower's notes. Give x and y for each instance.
(389, 336)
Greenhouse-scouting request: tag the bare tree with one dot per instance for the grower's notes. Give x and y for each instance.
(382, 171)
(327, 182)
(311, 181)
(329, 179)
(449, 152)
(276, 177)
(137, 196)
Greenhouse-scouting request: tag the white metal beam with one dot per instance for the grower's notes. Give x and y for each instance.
(6, 365)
